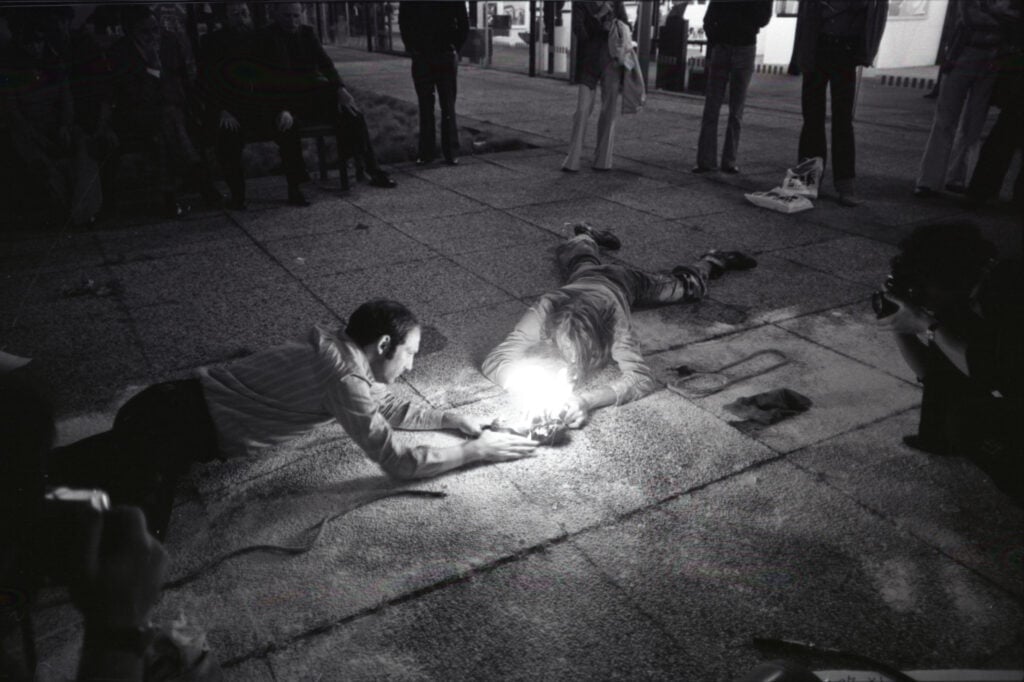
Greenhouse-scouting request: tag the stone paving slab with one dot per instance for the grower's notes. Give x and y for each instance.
(776, 553)
(845, 393)
(224, 267)
(430, 287)
(368, 556)
(522, 270)
(628, 458)
(521, 192)
(779, 289)
(683, 202)
(946, 502)
(369, 244)
(413, 199)
(471, 232)
(853, 258)
(326, 215)
(853, 331)
(146, 242)
(632, 226)
(52, 253)
(206, 330)
(453, 348)
(550, 616)
(758, 230)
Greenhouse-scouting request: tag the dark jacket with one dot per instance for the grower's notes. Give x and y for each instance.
(294, 65)
(592, 55)
(433, 28)
(228, 73)
(986, 24)
(138, 95)
(808, 29)
(736, 22)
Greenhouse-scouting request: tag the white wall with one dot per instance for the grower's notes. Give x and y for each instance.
(912, 42)
(906, 42)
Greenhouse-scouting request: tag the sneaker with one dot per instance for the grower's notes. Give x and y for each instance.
(731, 170)
(604, 238)
(849, 199)
(922, 192)
(915, 442)
(702, 169)
(956, 188)
(728, 260)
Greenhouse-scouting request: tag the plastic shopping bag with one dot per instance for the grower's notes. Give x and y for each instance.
(804, 178)
(780, 200)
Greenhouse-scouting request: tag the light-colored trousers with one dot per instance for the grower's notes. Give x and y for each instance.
(611, 104)
(964, 96)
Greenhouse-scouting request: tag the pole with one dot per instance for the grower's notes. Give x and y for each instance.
(644, 11)
(533, 38)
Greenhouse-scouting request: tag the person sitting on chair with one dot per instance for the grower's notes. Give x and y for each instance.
(307, 87)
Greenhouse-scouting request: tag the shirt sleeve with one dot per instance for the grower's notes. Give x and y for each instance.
(350, 400)
(635, 379)
(526, 334)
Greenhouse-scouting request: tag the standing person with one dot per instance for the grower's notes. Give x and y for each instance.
(587, 321)
(731, 28)
(833, 38)
(270, 398)
(970, 69)
(1007, 135)
(235, 112)
(591, 24)
(434, 33)
(306, 86)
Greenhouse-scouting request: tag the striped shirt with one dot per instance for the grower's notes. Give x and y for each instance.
(286, 391)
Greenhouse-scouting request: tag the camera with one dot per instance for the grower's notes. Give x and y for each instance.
(897, 286)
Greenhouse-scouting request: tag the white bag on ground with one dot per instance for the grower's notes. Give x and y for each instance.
(805, 177)
(780, 200)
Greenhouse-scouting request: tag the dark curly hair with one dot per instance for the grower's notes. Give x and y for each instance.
(378, 318)
(586, 322)
(948, 256)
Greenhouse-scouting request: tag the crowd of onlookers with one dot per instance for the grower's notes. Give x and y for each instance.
(75, 98)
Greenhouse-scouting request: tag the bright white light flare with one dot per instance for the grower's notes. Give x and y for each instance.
(539, 391)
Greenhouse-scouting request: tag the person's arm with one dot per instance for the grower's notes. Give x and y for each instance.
(323, 62)
(498, 364)
(350, 401)
(461, 26)
(635, 379)
(910, 321)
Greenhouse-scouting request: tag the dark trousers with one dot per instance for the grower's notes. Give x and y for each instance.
(230, 144)
(1005, 139)
(833, 70)
(959, 417)
(321, 106)
(156, 436)
(430, 73)
(728, 67)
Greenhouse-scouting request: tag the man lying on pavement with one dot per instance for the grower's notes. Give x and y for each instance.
(272, 397)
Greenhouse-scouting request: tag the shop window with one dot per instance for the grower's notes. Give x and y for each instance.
(908, 9)
(786, 8)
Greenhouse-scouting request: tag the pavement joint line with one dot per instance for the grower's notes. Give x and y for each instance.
(836, 351)
(877, 513)
(467, 575)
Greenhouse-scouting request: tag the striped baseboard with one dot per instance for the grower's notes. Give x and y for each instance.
(907, 82)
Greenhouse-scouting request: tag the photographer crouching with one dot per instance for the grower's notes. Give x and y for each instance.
(112, 567)
(958, 315)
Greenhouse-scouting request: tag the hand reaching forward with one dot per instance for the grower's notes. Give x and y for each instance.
(495, 446)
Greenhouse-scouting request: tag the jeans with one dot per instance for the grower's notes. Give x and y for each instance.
(727, 66)
(1005, 139)
(430, 73)
(834, 69)
(579, 258)
(963, 102)
(611, 104)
